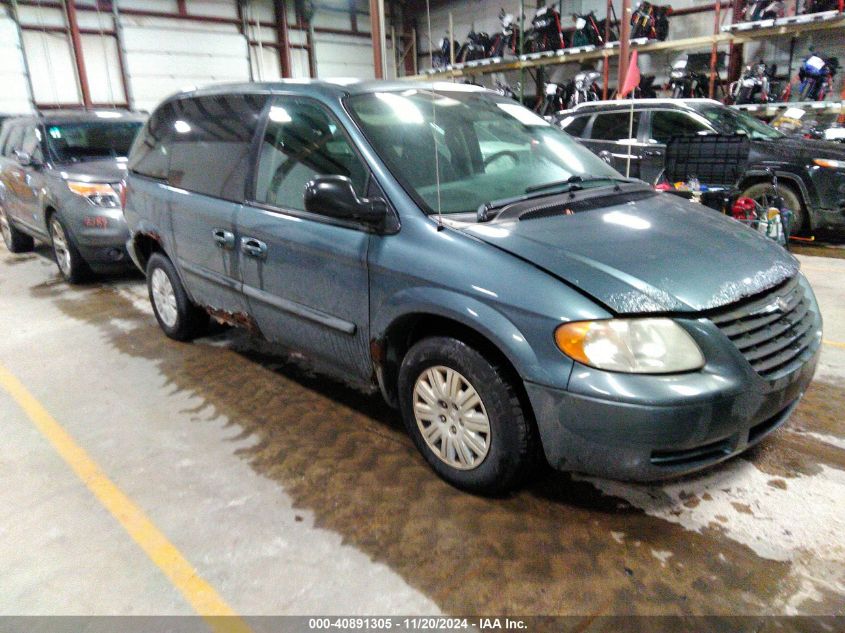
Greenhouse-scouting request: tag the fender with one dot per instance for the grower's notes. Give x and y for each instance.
(478, 316)
(146, 228)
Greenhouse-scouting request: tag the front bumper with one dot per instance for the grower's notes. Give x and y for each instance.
(643, 428)
(100, 236)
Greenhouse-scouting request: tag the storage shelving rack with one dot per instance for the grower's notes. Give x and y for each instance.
(731, 34)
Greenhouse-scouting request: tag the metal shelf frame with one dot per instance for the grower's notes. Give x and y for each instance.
(734, 35)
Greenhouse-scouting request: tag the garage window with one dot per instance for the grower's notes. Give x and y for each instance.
(302, 141)
(211, 141)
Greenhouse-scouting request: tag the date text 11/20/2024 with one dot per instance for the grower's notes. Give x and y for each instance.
(416, 624)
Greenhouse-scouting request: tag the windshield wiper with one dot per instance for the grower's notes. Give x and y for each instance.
(571, 184)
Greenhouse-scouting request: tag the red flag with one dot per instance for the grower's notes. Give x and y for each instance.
(632, 77)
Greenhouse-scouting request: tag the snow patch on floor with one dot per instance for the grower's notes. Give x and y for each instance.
(797, 520)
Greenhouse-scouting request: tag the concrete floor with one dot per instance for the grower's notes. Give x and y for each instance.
(291, 494)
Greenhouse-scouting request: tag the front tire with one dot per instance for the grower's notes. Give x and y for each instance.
(15, 240)
(763, 193)
(180, 319)
(464, 416)
(71, 265)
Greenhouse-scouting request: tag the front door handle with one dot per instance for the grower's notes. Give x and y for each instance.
(224, 239)
(254, 247)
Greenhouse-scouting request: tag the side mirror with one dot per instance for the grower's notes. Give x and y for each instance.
(334, 197)
(606, 156)
(24, 159)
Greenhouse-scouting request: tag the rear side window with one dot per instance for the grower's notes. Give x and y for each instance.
(150, 154)
(613, 126)
(668, 123)
(575, 125)
(211, 141)
(303, 140)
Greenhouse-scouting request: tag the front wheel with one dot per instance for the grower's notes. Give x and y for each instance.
(71, 265)
(180, 319)
(764, 194)
(464, 416)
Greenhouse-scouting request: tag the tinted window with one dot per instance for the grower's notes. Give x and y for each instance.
(613, 126)
(90, 140)
(303, 140)
(575, 125)
(150, 154)
(667, 123)
(210, 146)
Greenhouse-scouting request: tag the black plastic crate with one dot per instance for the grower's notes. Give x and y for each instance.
(715, 159)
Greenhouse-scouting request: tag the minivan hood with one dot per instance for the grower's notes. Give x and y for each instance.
(109, 170)
(660, 254)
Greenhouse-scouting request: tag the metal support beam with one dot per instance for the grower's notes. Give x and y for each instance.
(625, 42)
(121, 55)
(283, 36)
(737, 50)
(76, 41)
(714, 49)
(375, 34)
(30, 92)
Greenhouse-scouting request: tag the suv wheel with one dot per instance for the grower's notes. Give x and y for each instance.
(464, 416)
(180, 319)
(70, 262)
(763, 193)
(15, 240)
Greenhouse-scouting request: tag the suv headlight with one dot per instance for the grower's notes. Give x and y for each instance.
(829, 164)
(98, 194)
(634, 346)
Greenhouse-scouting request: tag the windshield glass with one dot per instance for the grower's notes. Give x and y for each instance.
(75, 142)
(487, 147)
(730, 121)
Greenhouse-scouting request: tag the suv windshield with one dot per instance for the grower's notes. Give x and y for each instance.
(729, 121)
(476, 146)
(75, 142)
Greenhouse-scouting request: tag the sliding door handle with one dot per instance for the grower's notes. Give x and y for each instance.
(224, 239)
(254, 247)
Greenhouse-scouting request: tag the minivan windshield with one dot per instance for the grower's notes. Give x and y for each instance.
(90, 140)
(476, 146)
(729, 121)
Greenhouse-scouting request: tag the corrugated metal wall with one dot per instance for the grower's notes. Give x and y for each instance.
(163, 55)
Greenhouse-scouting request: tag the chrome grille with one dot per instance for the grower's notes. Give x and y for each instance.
(771, 331)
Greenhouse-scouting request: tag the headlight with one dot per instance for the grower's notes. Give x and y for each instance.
(829, 164)
(98, 194)
(634, 346)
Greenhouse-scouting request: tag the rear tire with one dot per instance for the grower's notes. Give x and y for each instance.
(448, 395)
(180, 319)
(15, 240)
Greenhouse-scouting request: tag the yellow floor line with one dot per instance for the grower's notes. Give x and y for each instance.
(834, 343)
(220, 617)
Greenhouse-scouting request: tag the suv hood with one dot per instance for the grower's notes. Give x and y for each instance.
(108, 170)
(790, 148)
(660, 254)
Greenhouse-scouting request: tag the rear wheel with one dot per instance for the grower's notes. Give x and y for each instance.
(764, 194)
(15, 240)
(71, 265)
(464, 416)
(180, 319)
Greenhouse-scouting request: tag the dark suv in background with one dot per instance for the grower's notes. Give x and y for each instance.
(811, 173)
(60, 178)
